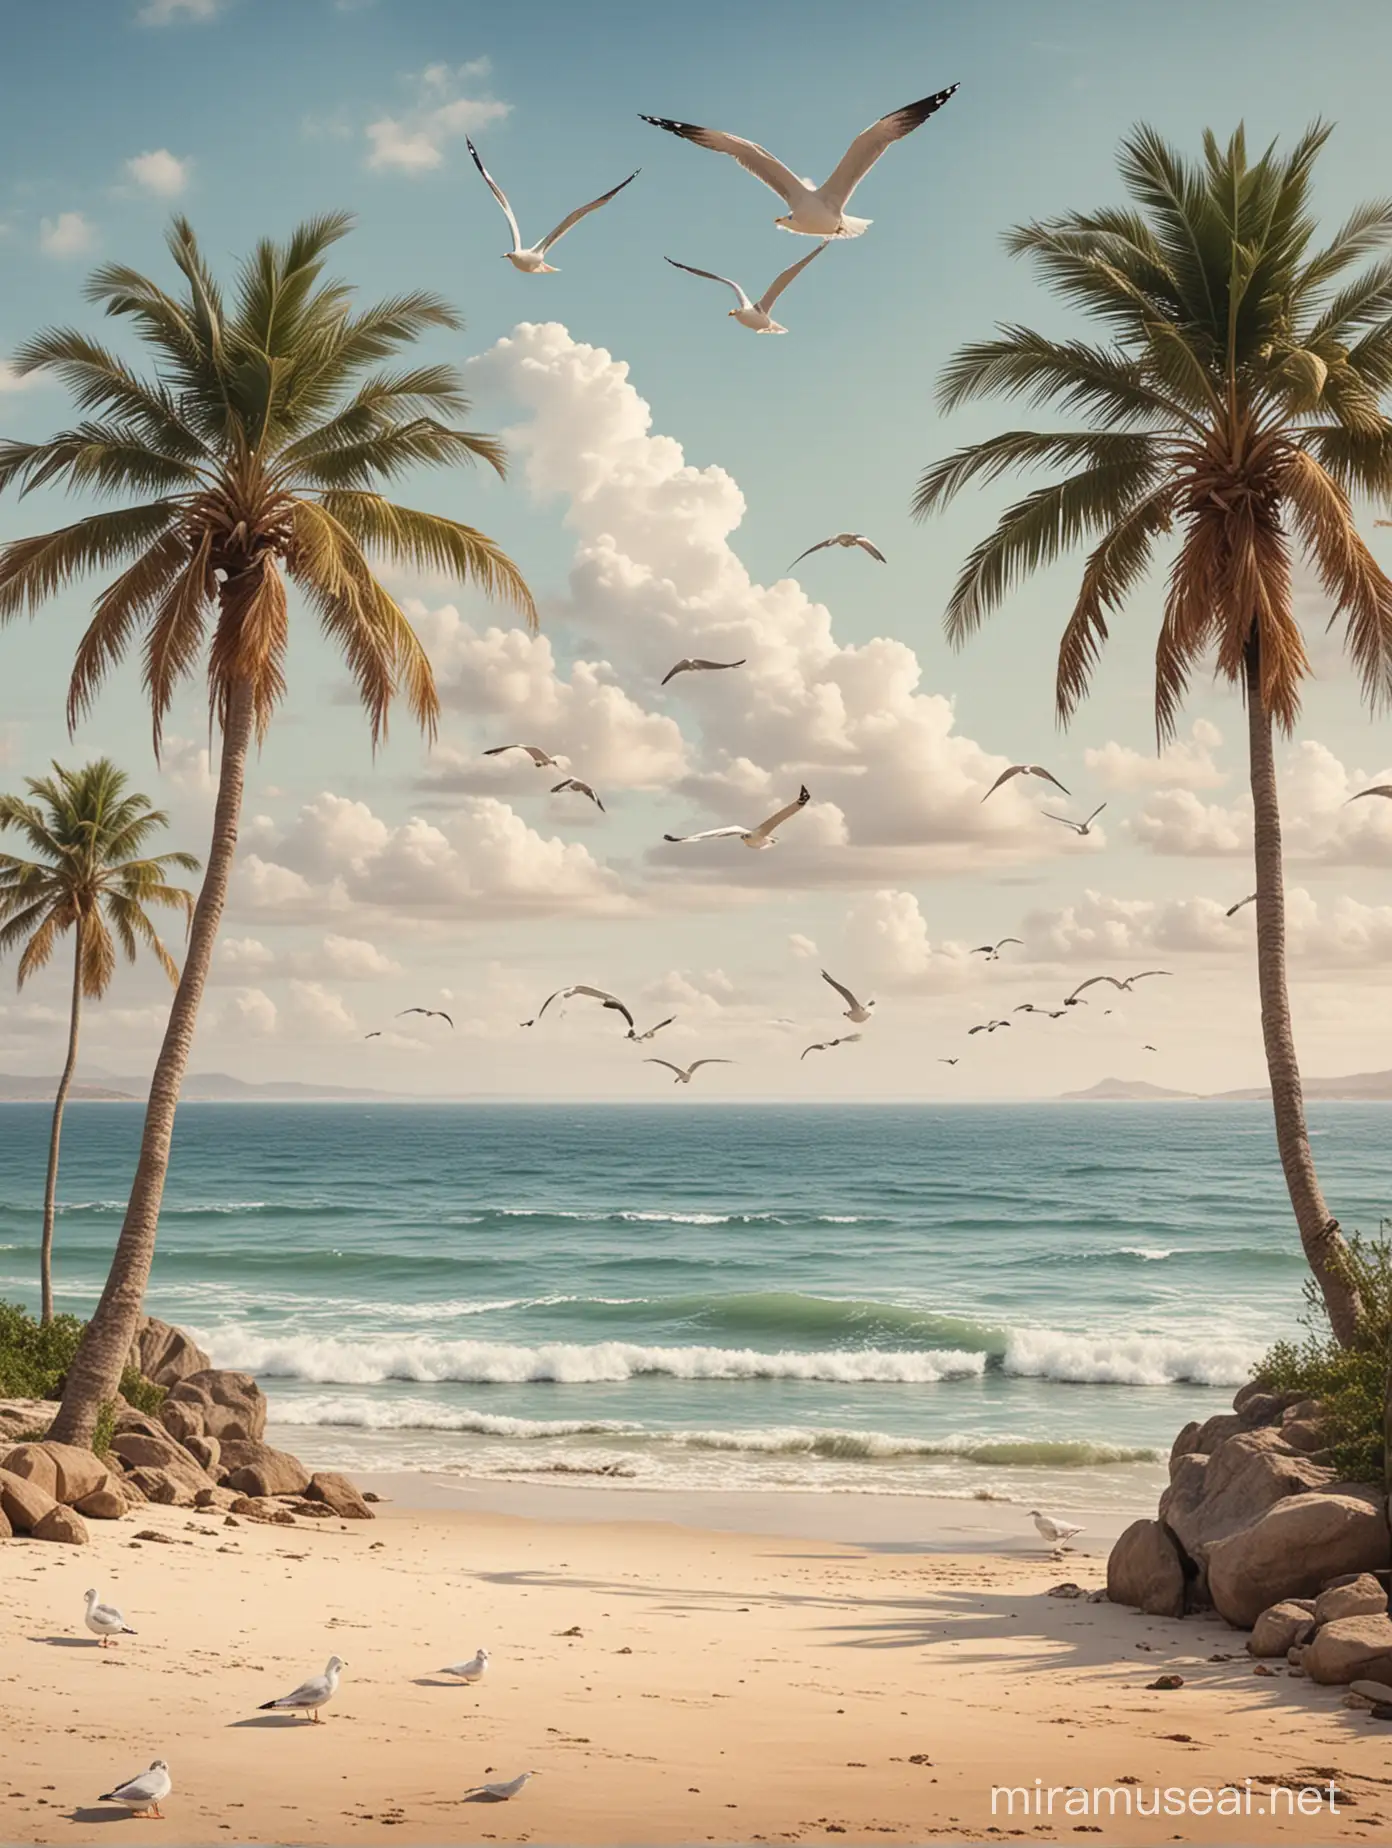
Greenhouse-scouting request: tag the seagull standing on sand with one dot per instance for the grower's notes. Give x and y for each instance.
(310, 1695)
(755, 315)
(105, 1621)
(504, 1793)
(532, 259)
(844, 539)
(582, 789)
(846, 1039)
(143, 1795)
(693, 664)
(473, 1670)
(815, 211)
(762, 836)
(685, 1076)
(1024, 770)
(856, 1011)
(1057, 1533)
(541, 759)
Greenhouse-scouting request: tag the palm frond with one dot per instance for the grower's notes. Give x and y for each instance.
(32, 570)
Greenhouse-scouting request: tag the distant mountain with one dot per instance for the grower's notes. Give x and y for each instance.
(1122, 1091)
(1371, 1086)
(96, 1086)
(15, 1090)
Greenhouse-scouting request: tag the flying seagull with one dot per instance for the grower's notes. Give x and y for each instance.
(583, 789)
(542, 759)
(1233, 910)
(1055, 1532)
(755, 315)
(503, 1793)
(845, 539)
(310, 1695)
(601, 995)
(684, 1076)
(652, 1031)
(846, 1039)
(762, 836)
(1124, 983)
(1080, 828)
(1377, 789)
(431, 1013)
(143, 1795)
(532, 260)
(815, 211)
(473, 1670)
(949, 1061)
(104, 1620)
(991, 951)
(1024, 770)
(988, 1026)
(375, 1034)
(693, 664)
(857, 1011)
(1150, 1049)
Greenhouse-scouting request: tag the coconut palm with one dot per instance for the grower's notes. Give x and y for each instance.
(89, 878)
(251, 452)
(1230, 405)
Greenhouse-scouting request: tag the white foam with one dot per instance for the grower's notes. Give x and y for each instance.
(1151, 1255)
(422, 1415)
(1127, 1360)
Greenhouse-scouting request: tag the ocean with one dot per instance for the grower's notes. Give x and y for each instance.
(1013, 1302)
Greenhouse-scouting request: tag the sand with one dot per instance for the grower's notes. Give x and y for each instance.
(671, 1683)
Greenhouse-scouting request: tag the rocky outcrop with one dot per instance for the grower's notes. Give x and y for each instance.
(1292, 1550)
(105, 1503)
(1281, 1628)
(216, 1403)
(1362, 1596)
(161, 1469)
(1351, 1649)
(344, 1500)
(1144, 1570)
(67, 1472)
(205, 1451)
(257, 1469)
(19, 1416)
(1248, 1473)
(61, 1524)
(164, 1354)
(24, 1502)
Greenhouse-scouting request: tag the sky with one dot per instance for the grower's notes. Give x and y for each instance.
(665, 467)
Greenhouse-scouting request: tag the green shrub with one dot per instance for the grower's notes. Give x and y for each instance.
(141, 1393)
(1350, 1382)
(34, 1360)
(105, 1428)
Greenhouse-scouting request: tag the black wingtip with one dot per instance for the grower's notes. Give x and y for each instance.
(804, 794)
(265, 1706)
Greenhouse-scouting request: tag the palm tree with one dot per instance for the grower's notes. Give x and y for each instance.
(1231, 401)
(251, 452)
(89, 879)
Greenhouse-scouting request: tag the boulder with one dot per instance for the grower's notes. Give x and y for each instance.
(205, 1451)
(67, 1472)
(166, 1487)
(165, 1354)
(1281, 1628)
(1144, 1570)
(1305, 1435)
(257, 1469)
(1351, 1649)
(1185, 1444)
(216, 1403)
(1292, 1550)
(1356, 1597)
(215, 1498)
(24, 1502)
(33, 1462)
(1214, 1432)
(263, 1508)
(344, 1500)
(61, 1524)
(1261, 1408)
(147, 1450)
(1247, 1475)
(20, 1415)
(6, 1531)
(106, 1503)
(130, 1421)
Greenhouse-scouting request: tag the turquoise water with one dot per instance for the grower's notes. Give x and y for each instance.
(988, 1300)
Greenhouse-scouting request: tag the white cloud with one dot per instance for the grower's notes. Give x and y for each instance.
(802, 947)
(415, 140)
(188, 765)
(177, 12)
(1175, 821)
(159, 172)
(886, 941)
(350, 959)
(67, 235)
(1188, 763)
(315, 1012)
(245, 956)
(245, 1013)
(10, 380)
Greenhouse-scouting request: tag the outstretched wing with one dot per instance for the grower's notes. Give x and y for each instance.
(1095, 813)
(709, 834)
(1143, 974)
(868, 146)
(696, 1064)
(874, 551)
(1005, 940)
(583, 211)
(1378, 789)
(711, 276)
(780, 283)
(1232, 910)
(754, 159)
(818, 1046)
(497, 193)
(1092, 982)
(844, 993)
(698, 662)
(668, 1063)
(1063, 818)
(440, 1014)
(821, 544)
(1040, 771)
(765, 828)
(618, 1007)
(685, 665)
(412, 1010)
(658, 1028)
(1004, 777)
(549, 999)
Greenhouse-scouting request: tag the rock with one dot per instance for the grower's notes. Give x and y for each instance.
(24, 1502)
(342, 1498)
(33, 1462)
(217, 1403)
(263, 1508)
(1247, 1475)
(215, 1498)
(61, 1524)
(1165, 1684)
(1295, 1547)
(257, 1469)
(1369, 1690)
(205, 1451)
(1185, 1444)
(1260, 1408)
(167, 1488)
(1357, 1597)
(1281, 1627)
(165, 1354)
(1066, 1590)
(6, 1531)
(146, 1450)
(1352, 1649)
(1255, 1390)
(1304, 1411)
(316, 1510)
(371, 1495)
(20, 1415)
(105, 1503)
(1305, 1436)
(67, 1472)
(1295, 1655)
(1214, 1432)
(128, 1420)
(1144, 1570)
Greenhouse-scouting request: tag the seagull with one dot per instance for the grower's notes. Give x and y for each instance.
(762, 836)
(1024, 770)
(1250, 899)
(949, 1061)
(542, 759)
(104, 1620)
(846, 1039)
(1377, 789)
(815, 211)
(988, 1026)
(1080, 828)
(375, 1034)
(431, 1013)
(503, 1793)
(310, 1695)
(755, 315)
(584, 789)
(595, 994)
(693, 664)
(684, 1077)
(1124, 983)
(845, 539)
(857, 1011)
(473, 1670)
(1055, 1532)
(991, 951)
(532, 261)
(1150, 1049)
(652, 1031)
(142, 1795)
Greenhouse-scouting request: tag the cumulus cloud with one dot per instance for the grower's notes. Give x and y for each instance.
(67, 235)
(442, 110)
(886, 937)
(10, 380)
(802, 947)
(349, 959)
(1188, 763)
(159, 172)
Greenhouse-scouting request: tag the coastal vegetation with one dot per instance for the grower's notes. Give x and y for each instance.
(90, 877)
(1226, 416)
(252, 453)
(35, 1357)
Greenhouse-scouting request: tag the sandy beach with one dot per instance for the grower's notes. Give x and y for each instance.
(671, 1683)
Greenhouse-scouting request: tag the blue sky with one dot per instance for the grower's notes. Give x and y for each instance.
(248, 115)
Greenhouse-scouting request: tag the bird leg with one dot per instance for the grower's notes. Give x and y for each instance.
(314, 1717)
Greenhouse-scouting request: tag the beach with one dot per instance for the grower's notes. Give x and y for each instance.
(670, 1683)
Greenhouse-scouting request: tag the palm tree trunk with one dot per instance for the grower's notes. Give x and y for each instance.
(1325, 1249)
(55, 1136)
(96, 1371)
